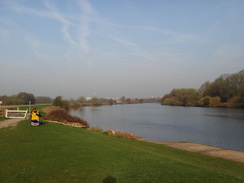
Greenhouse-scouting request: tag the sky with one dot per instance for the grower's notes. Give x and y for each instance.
(114, 48)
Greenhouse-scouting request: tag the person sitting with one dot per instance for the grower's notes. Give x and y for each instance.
(35, 117)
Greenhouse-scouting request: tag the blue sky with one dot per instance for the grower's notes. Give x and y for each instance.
(114, 48)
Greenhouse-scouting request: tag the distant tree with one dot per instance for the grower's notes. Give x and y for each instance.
(26, 97)
(81, 99)
(95, 101)
(58, 101)
(111, 102)
(4, 98)
(203, 88)
(171, 100)
(188, 97)
(226, 90)
(43, 100)
(123, 99)
(228, 86)
(132, 101)
(215, 101)
(206, 101)
(128, 101)
(13, 100)
(71, 99)
(66, 104)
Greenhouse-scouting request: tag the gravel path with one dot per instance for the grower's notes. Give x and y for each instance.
(9, 122)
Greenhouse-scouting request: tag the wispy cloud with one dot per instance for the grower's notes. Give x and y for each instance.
(53, 12)
(175, 37)
(84, 24)
(79, 45)
(56, 15)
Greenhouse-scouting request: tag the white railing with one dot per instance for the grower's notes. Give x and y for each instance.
(15, 113)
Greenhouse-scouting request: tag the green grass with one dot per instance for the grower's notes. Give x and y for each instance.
(57, 153)
(3, 118)
(38, 107)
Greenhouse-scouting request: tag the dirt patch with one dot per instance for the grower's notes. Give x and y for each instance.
(237, 156)
(9, 122)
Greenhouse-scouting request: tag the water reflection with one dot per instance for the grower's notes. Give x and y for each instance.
(219, 127)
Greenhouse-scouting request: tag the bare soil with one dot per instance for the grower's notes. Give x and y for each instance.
(237, 156)
(9, 122)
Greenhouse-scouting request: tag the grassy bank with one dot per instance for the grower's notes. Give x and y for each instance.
(58, 153)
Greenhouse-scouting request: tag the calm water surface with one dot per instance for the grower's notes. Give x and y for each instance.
(218, 127)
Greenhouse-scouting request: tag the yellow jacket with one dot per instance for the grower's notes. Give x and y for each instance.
(35, 115)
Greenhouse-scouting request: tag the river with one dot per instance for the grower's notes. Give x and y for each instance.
(219, 127)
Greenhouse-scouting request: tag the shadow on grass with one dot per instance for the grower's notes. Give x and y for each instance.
(109, 179)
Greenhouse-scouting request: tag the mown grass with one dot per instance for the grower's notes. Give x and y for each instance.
(57, 153)
(38, 107)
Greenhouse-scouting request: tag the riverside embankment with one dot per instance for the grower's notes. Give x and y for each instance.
(62, 153)
(188, 146)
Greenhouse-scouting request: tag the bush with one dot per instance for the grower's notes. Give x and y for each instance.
(58, 101)
(61, 115)
(215, 101)
(234, 102)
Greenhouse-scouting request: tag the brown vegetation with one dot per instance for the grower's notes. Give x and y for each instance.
(60, 115)
(125, 135)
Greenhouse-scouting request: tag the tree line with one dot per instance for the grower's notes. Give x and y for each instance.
(24, 98)
(226, 91)
(94, 101)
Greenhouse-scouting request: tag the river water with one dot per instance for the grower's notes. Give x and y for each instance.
(219, 127)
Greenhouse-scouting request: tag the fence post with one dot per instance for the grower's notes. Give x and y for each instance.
(6, 112)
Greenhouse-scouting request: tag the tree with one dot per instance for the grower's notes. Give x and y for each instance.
(26, 97)
(215, 101)
(187, 97)
(81, 99)
(12, 100)
(43, 100)
(123, 99)
(95, 101)
(228, 86)
(206, 101)
(58, 101)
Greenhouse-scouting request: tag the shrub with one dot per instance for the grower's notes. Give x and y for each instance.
(61, 115)
(215, 101)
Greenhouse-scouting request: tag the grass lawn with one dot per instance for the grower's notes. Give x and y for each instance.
(38, 107)
(57, 153)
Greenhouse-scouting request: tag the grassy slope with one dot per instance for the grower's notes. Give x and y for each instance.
(58, 153)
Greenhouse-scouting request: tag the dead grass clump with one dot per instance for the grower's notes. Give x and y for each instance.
(125, 135)
(59, 114)
(49, 109)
